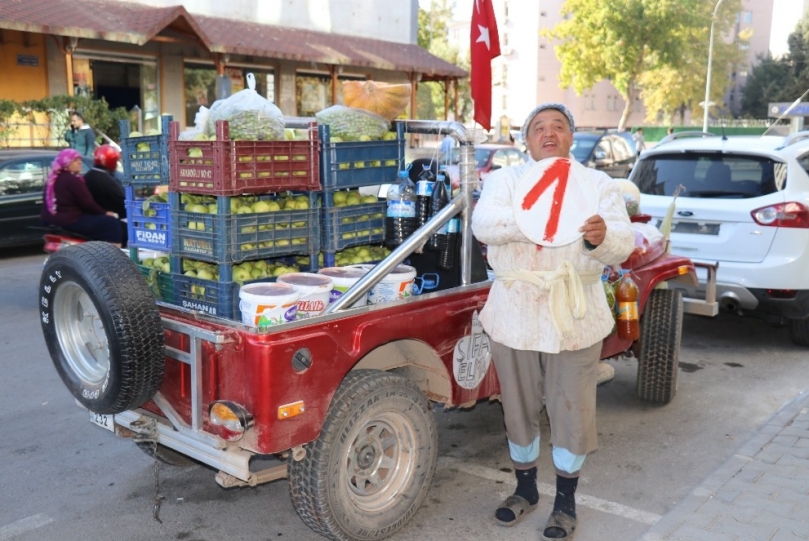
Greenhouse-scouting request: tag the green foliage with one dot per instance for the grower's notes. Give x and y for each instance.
(623, 40)
(7, 109)
(432, 36)
(96, 113)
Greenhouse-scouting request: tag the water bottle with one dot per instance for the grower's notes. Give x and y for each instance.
(424, 191)
(439, 200)
(401, 219)
(446, 260)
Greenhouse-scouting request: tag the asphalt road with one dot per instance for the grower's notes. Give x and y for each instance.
(63, 479)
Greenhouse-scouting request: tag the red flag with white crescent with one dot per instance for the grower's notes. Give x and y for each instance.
(484, 46)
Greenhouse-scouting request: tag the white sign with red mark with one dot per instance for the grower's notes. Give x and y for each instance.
(552, 200)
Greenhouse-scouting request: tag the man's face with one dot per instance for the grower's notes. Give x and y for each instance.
(76, 122)
(549, 135)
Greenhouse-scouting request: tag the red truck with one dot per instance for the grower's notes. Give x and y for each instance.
(340, 404)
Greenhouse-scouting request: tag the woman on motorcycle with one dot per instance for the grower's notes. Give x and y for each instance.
(69, 204)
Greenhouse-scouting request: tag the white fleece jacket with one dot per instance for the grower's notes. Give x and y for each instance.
(519, 316)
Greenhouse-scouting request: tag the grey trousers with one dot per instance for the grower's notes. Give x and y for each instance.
(564, 383)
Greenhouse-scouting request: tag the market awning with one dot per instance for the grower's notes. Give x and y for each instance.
(138, 24)
(96, 19)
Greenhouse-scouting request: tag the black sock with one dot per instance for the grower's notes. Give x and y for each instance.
(566, 495)
(526, 487)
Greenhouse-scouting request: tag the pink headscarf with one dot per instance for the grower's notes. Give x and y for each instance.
(60, 163)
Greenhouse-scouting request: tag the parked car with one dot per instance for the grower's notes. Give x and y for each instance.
(611, 152)
(22, 176)
(488, 157)
(744, 203)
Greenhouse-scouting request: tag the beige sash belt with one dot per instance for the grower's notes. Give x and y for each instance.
(566, 292)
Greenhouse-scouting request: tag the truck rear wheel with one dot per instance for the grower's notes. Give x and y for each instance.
(102, 327)
(661, 328)
(370, 469)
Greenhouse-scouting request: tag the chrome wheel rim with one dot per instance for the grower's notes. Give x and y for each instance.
(380, 461)
(81, 333)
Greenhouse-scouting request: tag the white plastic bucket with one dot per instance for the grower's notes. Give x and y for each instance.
(266, 303)
(394, 286)
(314, 291)
(342, 279)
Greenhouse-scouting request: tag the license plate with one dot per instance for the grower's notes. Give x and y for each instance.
(103, 420)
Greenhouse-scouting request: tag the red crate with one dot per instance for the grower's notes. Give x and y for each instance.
(225, 167)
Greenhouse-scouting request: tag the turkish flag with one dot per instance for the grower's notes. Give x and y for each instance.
(485, 45)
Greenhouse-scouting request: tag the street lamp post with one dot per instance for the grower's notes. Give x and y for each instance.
(708, 78)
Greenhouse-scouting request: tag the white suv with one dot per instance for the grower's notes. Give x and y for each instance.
(744, 204)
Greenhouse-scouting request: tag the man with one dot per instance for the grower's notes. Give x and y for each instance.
(539, 358)
(640, 143)
(104, 187)
(80, 136)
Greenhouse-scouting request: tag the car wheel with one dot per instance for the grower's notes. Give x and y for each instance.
(661, 328)
(102, 327)
(799, 331)
(371, 467)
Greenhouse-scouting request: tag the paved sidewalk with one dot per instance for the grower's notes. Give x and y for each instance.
(760, 494)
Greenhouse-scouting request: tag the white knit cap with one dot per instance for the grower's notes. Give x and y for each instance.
(547, 105)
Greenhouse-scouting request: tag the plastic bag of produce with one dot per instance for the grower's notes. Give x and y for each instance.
(200, 129)
(353, 124)
(631, 195)
(251, 116)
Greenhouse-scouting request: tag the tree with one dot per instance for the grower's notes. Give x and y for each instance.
(621, 40)
(432, 36)
(779, 80)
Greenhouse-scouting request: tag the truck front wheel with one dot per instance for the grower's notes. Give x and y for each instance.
(370, 469)
(661, 328)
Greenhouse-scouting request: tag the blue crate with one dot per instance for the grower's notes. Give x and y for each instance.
(229, 238)
(148, 224)
(360, 163)
(352, 225)
(217, 298)
(146, 158)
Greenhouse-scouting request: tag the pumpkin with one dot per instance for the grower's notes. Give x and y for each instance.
(383, 99)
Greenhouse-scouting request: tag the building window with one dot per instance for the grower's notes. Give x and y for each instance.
(744, 46)
(743, 73)
(312, 92)
(747, 17)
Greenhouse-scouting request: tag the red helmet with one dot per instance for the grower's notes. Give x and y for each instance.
(107, 156)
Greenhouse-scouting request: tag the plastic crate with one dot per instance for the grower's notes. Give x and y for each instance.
(225, 167)
(215, 298)
(146, 158)
(225, 237)
(161, 283)
(352, 225)
(148, 224)
(360, 163)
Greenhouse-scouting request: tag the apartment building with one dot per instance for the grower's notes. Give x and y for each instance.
(527, 71)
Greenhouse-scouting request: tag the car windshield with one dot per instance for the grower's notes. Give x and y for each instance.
(582, 146)
(709, 175)
(481, 157)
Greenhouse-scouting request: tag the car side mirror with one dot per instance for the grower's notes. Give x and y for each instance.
(600, 155)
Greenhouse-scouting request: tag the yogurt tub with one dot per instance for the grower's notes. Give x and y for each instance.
(314, 291)
(342, 279)
(265, 303)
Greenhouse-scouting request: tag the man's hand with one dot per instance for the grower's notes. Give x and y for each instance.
(594, 229)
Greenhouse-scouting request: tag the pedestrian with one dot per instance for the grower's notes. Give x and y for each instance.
(640, 143)
(544, 353)
(80, 136)
(670, 130)
(69, 205)
(104, 187)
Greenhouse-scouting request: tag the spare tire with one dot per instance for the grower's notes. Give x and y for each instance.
(102, 327)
